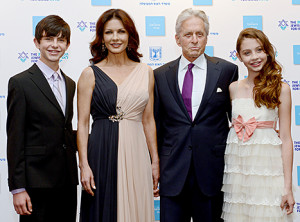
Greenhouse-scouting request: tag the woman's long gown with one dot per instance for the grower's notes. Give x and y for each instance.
(117, 151)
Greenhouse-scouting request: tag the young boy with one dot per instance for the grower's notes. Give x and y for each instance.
(41, 150)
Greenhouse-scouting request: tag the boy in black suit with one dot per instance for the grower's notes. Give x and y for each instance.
(41, 151)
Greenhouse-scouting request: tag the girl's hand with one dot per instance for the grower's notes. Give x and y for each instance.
(288, 202)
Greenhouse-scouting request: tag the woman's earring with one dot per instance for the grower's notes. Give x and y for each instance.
(103, 47)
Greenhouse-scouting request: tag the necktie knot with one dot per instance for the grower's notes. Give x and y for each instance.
(190, 66)
(55, 76)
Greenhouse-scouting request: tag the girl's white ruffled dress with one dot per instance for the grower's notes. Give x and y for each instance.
(253, 177)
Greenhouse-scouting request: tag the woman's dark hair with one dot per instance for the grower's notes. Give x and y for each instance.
(133, 41)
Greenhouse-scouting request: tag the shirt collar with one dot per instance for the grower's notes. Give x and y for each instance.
(47, 71)
(200, 62)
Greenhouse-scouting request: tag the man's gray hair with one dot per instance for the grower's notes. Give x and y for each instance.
(188, 13)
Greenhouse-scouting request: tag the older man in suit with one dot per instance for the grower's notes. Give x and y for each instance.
(192, 106)
(41, 149)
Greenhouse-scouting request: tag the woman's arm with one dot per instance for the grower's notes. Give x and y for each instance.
(150, 133)
(85, 87)
(287, 146)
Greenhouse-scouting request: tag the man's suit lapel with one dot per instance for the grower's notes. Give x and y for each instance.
(41, 82)
(212, 76)
(172, 78)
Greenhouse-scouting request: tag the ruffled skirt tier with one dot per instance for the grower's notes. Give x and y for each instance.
(253, 178)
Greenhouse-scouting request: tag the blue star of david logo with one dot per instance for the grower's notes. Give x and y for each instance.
(23, 56)
(82, 25)
(233, 55)
(286, 81)
(283, 24)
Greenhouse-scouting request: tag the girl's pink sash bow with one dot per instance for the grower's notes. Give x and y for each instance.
(245, 130)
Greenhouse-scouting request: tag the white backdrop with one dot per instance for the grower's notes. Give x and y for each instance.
(155, 21)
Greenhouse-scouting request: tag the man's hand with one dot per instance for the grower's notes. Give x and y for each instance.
(22, 203)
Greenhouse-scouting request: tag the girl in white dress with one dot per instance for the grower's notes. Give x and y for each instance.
(258, 163)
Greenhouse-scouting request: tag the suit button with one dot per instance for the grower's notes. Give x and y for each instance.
(193, 124)
(64, 146)
(190, 148)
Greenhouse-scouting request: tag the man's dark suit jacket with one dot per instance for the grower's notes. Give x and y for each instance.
(201, 142)
(41, 150)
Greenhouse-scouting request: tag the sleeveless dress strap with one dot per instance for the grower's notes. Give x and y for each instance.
(236, 89)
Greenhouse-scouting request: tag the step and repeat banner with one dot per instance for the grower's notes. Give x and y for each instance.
(155, 22)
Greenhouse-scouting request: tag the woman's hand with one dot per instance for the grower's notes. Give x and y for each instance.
(155, 175)
(87, 179)
(85, 87)
(288, 202)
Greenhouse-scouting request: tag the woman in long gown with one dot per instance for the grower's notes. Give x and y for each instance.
(258, 164)
(117, 174)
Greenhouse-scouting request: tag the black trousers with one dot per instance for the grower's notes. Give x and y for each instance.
(191, 203)
(52, 205)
